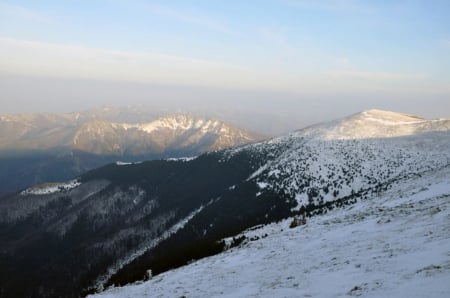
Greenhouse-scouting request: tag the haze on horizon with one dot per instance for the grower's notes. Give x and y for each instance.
(292, 61)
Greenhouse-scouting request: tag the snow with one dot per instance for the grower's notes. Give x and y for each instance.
(124, 163)
(393, 243)
(179, 122)
(332, 164)
(185, 159)
(50, 188)
(375, 124)
(185, 130)
(176, 122)
(262, 185)
(396, 244)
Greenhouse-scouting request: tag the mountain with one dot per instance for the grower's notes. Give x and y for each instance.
(174, 133)
(376, 124)
(35, 148)
(389, 246)
(112, 224)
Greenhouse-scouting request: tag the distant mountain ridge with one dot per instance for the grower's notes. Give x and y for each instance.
(99, 136)
(36, 148)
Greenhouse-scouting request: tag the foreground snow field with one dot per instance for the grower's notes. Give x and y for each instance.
(393, 245)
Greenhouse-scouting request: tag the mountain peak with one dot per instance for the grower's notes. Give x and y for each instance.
(178, 122)
(375, 123)
(388, 116)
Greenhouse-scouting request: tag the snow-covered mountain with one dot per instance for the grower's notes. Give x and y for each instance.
(128, 218)
(359, 157)
(394, 245)
(358, 154)
(173, 133)
(375, 124)
(36, 148)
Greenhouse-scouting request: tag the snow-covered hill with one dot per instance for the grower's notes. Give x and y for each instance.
(395, 245)
(375, 124)
(358, 155)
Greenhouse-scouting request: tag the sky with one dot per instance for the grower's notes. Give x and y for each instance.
(293, 61)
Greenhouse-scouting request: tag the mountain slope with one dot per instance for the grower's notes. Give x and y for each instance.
(376, 124)
(338, 159)
(394, 245)
(121, 220)
(110, 214)
(99, 136)
(177, 133)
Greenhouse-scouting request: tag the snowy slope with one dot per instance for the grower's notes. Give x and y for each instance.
(175, 132)
(375, 124)
(354, 155)
(396, 244)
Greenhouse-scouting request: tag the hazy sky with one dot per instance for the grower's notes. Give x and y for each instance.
(295, 60)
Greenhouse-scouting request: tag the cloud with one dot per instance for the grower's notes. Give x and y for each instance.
(348, 6)
(21, 57)
(343, 63)
(346, 69)
(373, 75)
(23, 13)
(188, 17)
(276, 37)
(38, 59)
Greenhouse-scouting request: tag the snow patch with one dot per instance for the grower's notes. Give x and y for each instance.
(124, 163)
(50, 188)
(263, 185)
(185, 159)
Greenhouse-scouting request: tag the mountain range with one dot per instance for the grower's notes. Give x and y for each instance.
(36, 148)
(113, 224)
